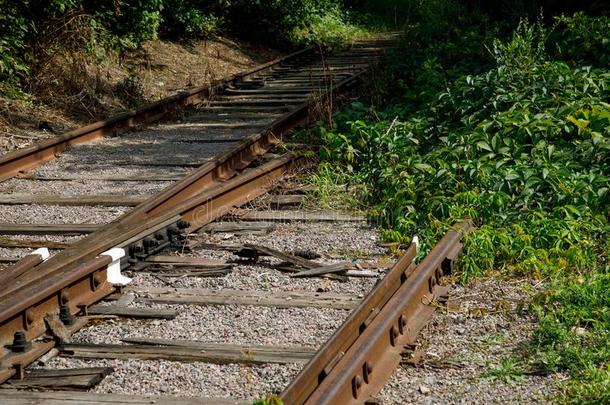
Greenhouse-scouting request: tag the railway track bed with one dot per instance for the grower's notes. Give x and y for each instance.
(180, 261)
(300, 327)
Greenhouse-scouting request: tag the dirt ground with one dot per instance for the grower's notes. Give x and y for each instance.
(72, 90)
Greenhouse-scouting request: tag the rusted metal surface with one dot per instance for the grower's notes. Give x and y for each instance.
(14, 163)
(316, 370)
(85, 282)
(19, 268)
(163, 205)
(354, 364)
(75, 278)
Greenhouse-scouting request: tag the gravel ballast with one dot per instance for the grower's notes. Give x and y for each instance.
(309, 327)
(59, 214)
(465, 343)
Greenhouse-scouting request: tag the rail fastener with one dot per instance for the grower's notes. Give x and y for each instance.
(355, 362)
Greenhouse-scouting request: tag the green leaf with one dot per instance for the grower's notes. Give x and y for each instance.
(484, 145)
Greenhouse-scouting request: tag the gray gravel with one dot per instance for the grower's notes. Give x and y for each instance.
(464, 343)
(236, 324)
(460, 344)
(50, 238)
(164, 143)
(55, 214)
(19, 252)
(82, 187)
(226, 324)
(188, 379)
(263, 278)
(335, 242)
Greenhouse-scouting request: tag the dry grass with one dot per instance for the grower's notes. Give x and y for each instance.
(72, 88)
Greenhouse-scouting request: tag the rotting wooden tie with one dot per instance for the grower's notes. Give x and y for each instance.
(108, 200)
(131, 312)
(14, 397)
(239, 227)
(286, 200)
(194, 262)
(47, 229)
(278, 299)
(322, 270)
(31, 243)
(292, 216)
(190, 351)
(76, 378)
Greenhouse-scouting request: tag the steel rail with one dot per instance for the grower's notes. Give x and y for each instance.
(355, 362)
(87, 283)
(76, 277)
(211, 173)
(14, 163)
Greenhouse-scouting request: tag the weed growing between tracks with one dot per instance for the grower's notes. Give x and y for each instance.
(516, 135)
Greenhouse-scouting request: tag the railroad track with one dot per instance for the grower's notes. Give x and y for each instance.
(142, 200)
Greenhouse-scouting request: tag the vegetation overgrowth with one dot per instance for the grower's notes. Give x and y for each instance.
(32, 31)
(510, 126)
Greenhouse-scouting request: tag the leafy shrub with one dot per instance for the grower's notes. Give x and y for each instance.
(281, 21)
(14, 29)
(524, 150)
(192, 18)
(526, 140)
(131, 22)
(122, 24)
(582, 40)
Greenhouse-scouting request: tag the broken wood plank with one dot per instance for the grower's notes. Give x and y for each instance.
(193, 262)
(289, 268)
(239, 227)
(142, 178)
(47, 229)
(278, 299)
(15, 397)
(362, 273)
(31, 243)
(294, 259)
(9, 259)
(190, 352)
(253, 252)
(107, 200)
(66, 379)
(287, 257)
(57, 328)
(130, 312)
(286, 200)
(291, 216)
(322, 270)
(182, 271)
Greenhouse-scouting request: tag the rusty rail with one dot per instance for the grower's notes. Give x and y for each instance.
(76, 277)
(355, 362)
(85, 284)
(14, 163)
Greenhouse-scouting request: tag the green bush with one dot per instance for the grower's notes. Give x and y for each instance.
(130, 22)
(522, 148)
(122, 24)
(14, 30)
(581, 40)
(193, 18)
